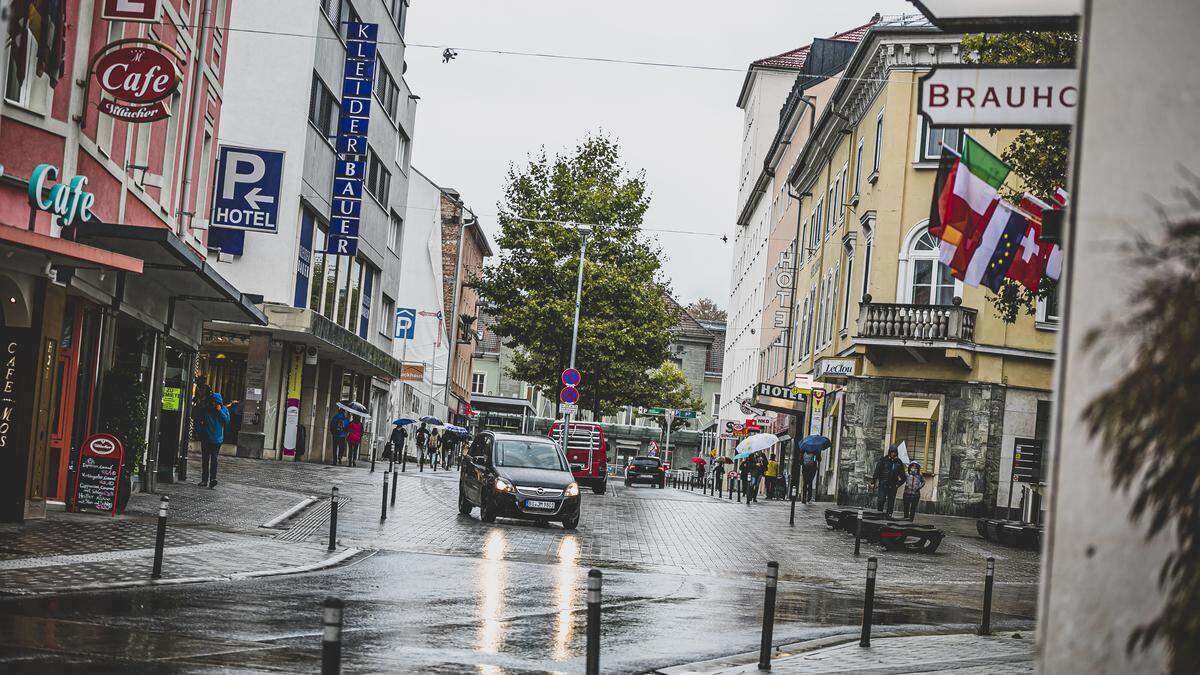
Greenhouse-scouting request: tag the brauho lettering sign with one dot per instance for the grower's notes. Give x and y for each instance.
(1017, 97)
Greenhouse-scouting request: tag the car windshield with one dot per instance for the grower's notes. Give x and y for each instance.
(529, 455)
(645, 462)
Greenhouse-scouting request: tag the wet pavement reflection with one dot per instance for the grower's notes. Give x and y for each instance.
(495, 610)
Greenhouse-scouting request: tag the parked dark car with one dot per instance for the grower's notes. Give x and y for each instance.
(646, 470)
(512, 476)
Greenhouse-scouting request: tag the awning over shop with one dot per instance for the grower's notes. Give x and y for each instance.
(501, 404)
(66, 253)
(306, 327)
(182, 272)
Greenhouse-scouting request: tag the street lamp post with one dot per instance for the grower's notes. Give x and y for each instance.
(584, 231)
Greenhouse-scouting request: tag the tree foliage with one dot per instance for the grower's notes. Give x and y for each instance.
(705, 309)
(1038, 156)
(669, 388)
(624, 319)
(1148, 425)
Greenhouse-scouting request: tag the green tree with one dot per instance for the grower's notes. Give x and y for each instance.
(669, 388)
(624, 319)
(1038, 156)
(1147, 423)
(705, 309)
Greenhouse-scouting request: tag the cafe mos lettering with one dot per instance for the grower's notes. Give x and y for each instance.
(138, 74)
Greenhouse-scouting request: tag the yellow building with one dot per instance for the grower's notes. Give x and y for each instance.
(906, 352)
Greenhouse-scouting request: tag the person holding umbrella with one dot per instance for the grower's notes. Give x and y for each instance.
(354, 432)
(434, 448)
(810, 448)
(398, 439)
(339, 429)
(422, 438)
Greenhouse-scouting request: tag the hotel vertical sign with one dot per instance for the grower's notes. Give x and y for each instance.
(353, 122)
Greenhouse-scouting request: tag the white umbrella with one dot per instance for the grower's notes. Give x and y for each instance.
(354, 408)
(757, 442)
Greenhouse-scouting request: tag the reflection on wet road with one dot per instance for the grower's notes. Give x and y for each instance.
(496, 609)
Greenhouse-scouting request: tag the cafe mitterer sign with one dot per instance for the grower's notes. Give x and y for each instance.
(138, 74)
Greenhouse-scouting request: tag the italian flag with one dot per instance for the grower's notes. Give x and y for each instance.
(965, 198)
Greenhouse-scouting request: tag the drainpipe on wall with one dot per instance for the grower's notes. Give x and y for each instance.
(194, 130)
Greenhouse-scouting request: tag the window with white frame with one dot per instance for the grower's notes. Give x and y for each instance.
(833, 208)
(395, 232)
(1047, 308)
(478, 383)
(402, 148)
(868, 237)
(19, 84)
(858, 160)
(849, 284)
(878, 147)
(818, 222)
(930, 281)
(933, 139)
(387, 314)
(716, 404)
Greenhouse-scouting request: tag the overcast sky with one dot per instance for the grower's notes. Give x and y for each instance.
(482, 111)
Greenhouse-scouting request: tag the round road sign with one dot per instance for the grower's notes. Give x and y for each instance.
(571, 377)
(568, 395)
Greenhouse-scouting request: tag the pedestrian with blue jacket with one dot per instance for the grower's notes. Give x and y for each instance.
(339, 429)
(211, 419)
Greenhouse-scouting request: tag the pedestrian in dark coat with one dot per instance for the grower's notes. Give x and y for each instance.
(886, 478)
(211, 420)
(398, 440)
(339, 429)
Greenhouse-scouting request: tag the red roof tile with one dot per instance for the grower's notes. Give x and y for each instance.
(794, 60)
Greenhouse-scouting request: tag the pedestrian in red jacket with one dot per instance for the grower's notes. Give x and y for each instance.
(354, 438)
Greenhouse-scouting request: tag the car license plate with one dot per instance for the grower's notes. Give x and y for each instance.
(534, 504)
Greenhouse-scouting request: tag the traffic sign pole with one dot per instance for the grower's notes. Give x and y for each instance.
(575, 328)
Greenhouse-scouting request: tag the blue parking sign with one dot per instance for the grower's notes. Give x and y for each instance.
(406, 323)
(246, 193)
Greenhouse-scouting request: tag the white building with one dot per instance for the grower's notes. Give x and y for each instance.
(422, 391)
(331, 329)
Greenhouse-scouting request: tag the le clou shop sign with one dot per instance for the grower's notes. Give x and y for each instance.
(138, 74)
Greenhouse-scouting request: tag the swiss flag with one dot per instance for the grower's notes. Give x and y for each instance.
(1029, 262)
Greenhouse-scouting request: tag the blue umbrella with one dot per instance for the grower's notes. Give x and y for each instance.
(456, 429)
(431, 420)
(815, 444)
(403, 422)
(744, 455)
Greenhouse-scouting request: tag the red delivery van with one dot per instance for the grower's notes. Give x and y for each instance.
(587, 452)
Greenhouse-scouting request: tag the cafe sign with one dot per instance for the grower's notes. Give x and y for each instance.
(138, 75)
(999, 97)
(67, 200)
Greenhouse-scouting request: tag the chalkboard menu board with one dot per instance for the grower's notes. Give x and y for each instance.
(99, 475)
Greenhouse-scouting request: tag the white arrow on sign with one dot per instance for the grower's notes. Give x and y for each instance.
(255, 198)
(234, 174)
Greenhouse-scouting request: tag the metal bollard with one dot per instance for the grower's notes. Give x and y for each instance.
(985, 626)
(331, 640)
(333, 503)
(383, 509)
(768, 627)
(793, 489)
(160, 538)
(868, 603)
(858, 533)
(395, 482)
(372, 459)
(403, 459)
(593, 621)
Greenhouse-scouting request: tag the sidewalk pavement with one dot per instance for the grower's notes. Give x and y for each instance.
(212, 535)
(955, 653)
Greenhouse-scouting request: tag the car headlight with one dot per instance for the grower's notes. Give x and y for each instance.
(503, 485)
(572, 490)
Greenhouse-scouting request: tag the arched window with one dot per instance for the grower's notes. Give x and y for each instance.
(930, 281)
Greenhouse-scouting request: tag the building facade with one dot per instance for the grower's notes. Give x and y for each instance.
(105, 284)
(780, 97)
(464, 248)
(902, 351)
(331, 315)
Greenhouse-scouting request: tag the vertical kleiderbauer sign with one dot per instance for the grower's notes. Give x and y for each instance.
(352, 138)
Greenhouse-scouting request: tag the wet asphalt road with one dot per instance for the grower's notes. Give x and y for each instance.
(485, 609)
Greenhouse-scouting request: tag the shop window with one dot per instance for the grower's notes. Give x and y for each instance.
(914, 422)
